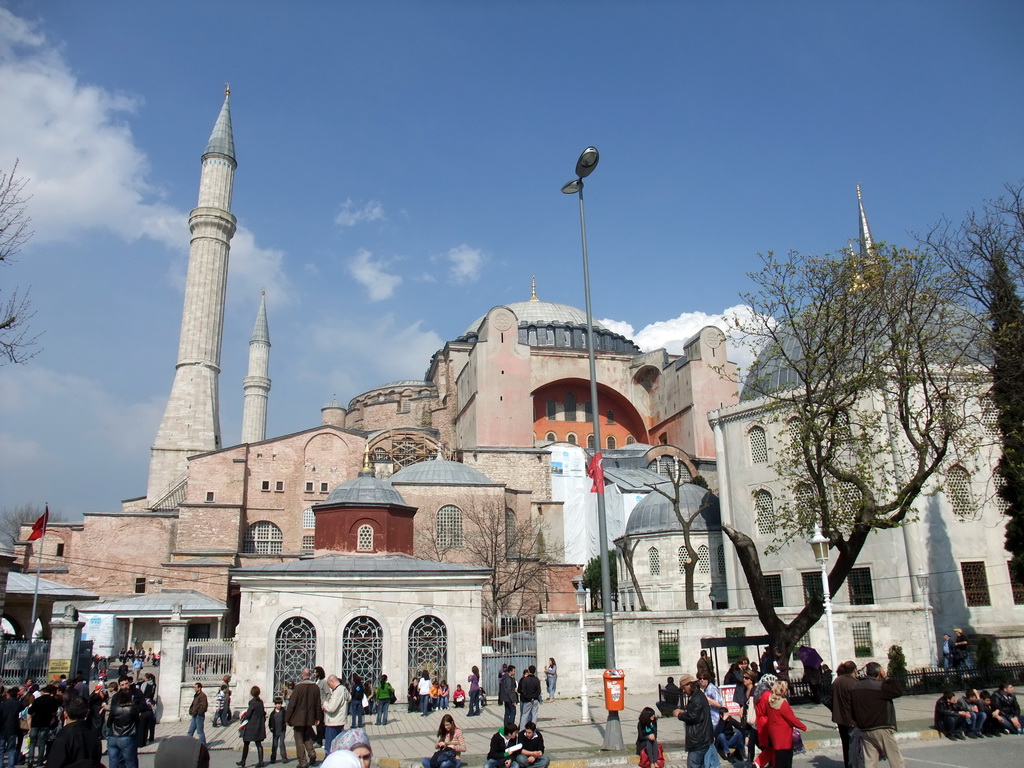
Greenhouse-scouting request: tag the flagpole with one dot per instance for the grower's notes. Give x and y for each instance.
(39, 565)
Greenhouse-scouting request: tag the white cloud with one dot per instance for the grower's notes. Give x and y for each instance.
(253, 269)
(466, 264)
(371, 274)
(352, 213)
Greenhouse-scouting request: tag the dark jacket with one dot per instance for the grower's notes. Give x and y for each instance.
(697, 716)
(43, 710)
(842, 714)
(1006, 703)
(199, 705)
(499, 744)
(871, 703)
(75, 741)
(277, 723)
(529, 688)
(536, 744)
(304, 708)
(123, 719)
(255, 719)
(10, 712)
(507, 690)
(670, 693)
(642, 732)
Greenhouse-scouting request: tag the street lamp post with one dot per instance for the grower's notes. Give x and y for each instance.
(711, 596)
(819, 545)
(584, 167)
(922, 584)
(582, 596)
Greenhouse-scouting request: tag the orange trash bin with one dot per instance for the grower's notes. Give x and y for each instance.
(614, 690)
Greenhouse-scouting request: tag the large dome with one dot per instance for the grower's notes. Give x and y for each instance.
(365, 489)
(536, 312)
(654, 513)
(440, 472)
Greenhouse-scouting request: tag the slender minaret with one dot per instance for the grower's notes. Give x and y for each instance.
(191, 422)
(257, 384)
(866, 244)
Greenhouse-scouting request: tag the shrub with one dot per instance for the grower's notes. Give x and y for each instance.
(985, 655)
(897, 663)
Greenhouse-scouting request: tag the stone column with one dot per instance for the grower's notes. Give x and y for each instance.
(172, 663)
(65, 634)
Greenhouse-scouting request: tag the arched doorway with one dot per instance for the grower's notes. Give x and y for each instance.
(428, 647)
(362, 650)
(294, 649)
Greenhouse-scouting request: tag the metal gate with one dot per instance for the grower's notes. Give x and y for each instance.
(22, 659)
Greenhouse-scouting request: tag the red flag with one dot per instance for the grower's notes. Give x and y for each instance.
(596, 473)
(39, 526)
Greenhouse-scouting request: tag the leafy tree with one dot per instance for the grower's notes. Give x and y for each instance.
(592, 578)
(15, 308)
(897, 663)
(862, 360)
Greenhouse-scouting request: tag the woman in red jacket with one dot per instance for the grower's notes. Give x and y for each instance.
(780, 725)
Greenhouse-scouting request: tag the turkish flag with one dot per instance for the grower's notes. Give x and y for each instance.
(39, 526)
(596, 473)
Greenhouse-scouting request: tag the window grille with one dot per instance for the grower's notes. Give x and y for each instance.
(552, 409)
(758, 446)
(323, 487)
(279, 485)
(611, 417)
(703, 559)
(308, 518)
(812, 586)
(294, 649)
(773, 583)
(721, 558)
(683, 557)
(590, 441)
(595, 650)
(510, 531)
(571, 438)
(998, 483)
(364, 538)
(794, 433)
(308, 543)
(861, 591)
(863, 648)
(735, 652)
(265, 485)
(570, 406)
(140, 586)
(630, 440)
(764, 506)
(975, 583)
(362, 649)
(668, 647)
(958, 491)
(654, 561)
(989, 415)
(803, 495)
(1016, 586)
(449, 527)
(262, 538)
(588, 412)
(428, 646)
(550, 437)
(610, 442)
(309, 486)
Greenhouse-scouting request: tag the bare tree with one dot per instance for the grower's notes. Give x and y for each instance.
(865, 360)
(15, 307)
(12, 519)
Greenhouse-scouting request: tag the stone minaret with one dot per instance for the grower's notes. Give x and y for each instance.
(257, 383)
(191, 422)
(866, 244)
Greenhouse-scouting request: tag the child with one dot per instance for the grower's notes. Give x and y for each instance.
(223, 706)
(459, 697)
(647, 746)
(442, 695)
(278, 728)
(434, 694)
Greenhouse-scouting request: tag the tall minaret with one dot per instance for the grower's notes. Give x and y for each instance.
(191, 422)
(257, 383)
(866, 244)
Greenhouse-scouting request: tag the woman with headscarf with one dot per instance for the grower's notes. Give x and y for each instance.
(354, 741)
(759, 701)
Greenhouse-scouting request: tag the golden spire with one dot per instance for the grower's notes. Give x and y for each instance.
(533, 288)
(366, 458)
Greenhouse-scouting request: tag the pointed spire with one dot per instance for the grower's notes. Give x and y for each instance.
(222, 140)
(866, 244)
(261, 332)
(533, 288)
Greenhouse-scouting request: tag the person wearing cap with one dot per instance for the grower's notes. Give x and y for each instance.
(697, 716)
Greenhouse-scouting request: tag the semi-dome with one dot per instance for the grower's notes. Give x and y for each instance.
(365, 489)
(535, 312)
(440, 472)
(654, 513)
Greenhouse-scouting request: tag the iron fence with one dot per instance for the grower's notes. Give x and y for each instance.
(208, 660)
(21, 659)
(936, 679)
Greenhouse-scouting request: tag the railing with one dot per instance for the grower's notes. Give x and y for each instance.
(937, 679)
(208, 660)
(175, 495)
(21, 659)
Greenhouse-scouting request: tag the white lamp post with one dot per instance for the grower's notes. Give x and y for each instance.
(582, 596)
(819, 545)
(922, 584)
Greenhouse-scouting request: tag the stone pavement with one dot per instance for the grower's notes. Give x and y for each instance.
(569, 743)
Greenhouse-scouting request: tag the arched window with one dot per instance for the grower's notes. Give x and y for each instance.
(654, 561)
(610, 442)
(550, 437)
(570, 406)
(308, 518)
(670, 466)
(758, 446)
(294, 649)
(262, 538)
(630, 440)
(764, 507)
(571, 438)
(428, 647)
(721, 559)
(683, 558)
(362, 649)
(703, 559)
(958, 491)
(449, 527)
(590, 441)
(364, 538)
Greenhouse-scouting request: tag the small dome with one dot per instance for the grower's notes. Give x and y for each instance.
(365, 489)
(541, 313)
(441, 472)
(654, 513)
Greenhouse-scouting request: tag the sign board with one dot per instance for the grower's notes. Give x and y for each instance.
(59, 667)
(727, 693)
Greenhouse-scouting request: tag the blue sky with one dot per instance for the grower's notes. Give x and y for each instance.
(399, 166)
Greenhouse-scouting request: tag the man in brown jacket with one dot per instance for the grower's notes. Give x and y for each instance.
(197, 711)
(303, 713)
(842, 715)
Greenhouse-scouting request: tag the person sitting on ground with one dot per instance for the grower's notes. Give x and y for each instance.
(647, 737)
(670, 694)
(449, 737)
(949, 720)
(532, 753)
(76, 740)
(1005, 700)
(459, 697)
(729, 737)
(990, 727)
(504, 745)
(969, 702)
